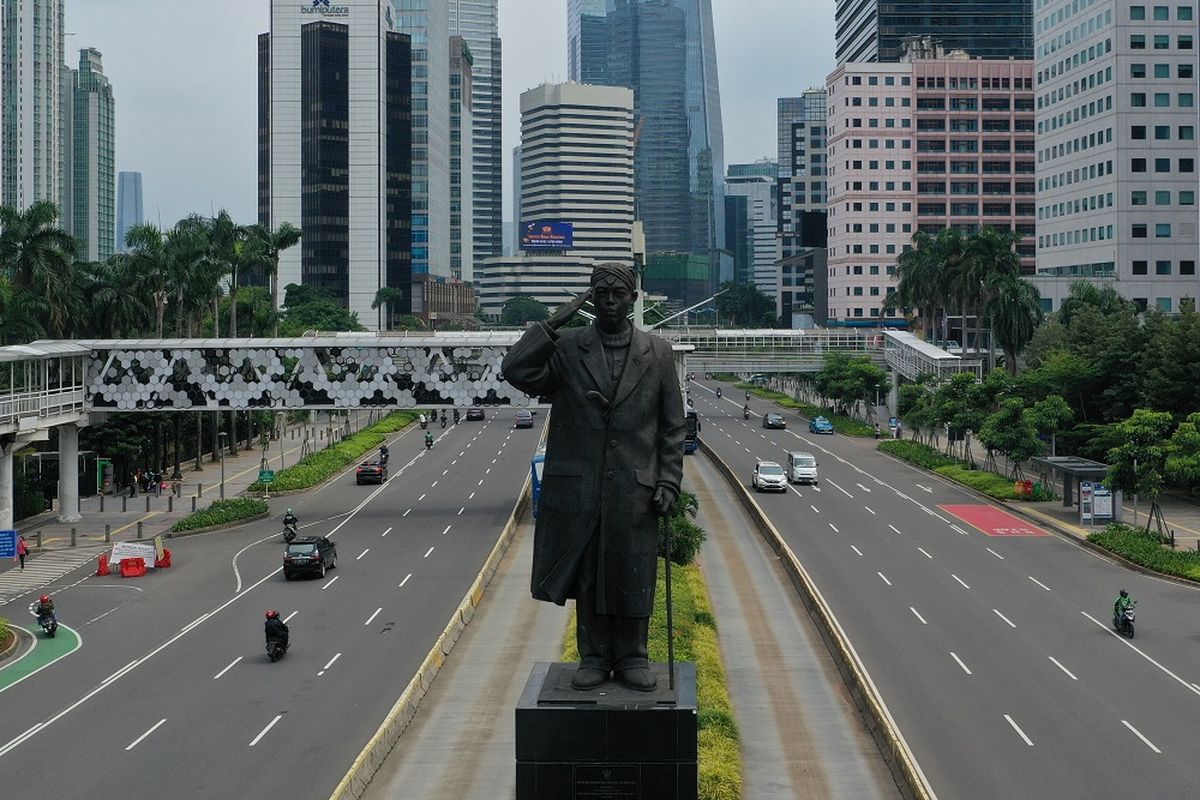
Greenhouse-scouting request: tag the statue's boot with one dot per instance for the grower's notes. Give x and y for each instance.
(588, 678)
(640, 679)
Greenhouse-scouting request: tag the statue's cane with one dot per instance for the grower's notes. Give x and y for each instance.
(666, 530)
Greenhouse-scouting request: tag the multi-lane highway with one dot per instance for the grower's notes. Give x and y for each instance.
(171, 691)
(993, 652)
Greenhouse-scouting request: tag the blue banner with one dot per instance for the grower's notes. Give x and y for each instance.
(8, 544)
(543, 234)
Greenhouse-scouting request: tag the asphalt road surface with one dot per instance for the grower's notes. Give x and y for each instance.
(171, 692)
(994, 652)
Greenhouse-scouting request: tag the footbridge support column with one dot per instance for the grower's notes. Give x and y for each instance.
(7, 446)
(68, 473)
(893, 398)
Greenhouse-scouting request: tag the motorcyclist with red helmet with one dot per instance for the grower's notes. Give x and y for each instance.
(45, 606)
(276, 629)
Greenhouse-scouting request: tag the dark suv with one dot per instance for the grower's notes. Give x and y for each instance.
(309, 554)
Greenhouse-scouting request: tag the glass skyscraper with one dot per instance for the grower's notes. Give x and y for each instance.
(476, 22)
(665, 51)
(873, 30)
(129, 205)
(587, 41)
(93, 174)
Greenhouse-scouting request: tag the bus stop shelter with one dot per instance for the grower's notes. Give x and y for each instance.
(1071, 470)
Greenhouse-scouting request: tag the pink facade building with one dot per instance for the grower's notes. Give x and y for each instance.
(922, 145)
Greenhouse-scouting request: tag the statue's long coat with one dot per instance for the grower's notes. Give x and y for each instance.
(602, 467)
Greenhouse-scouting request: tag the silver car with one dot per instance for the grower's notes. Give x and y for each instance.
(769, 476)
(802, 468)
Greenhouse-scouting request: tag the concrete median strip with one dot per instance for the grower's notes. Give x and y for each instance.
(355, 782)
(883, 728)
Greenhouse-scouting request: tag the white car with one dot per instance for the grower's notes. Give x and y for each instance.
(769, 476)
(802, 468)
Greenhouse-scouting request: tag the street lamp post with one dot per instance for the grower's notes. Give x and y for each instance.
(221, 437)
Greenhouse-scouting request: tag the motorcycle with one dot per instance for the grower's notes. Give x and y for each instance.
(289, 532)
(275, 649)
(1123, 623)
(718, 392)
(48, 623)
(443, 420)
(747, 395)
(745, 413)
(424, 424)
(429, 444)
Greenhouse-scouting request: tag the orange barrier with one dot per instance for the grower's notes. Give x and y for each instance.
(133, 567)
(165, 561)
(102, 569)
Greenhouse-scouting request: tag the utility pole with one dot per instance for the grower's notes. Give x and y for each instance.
(639, 268)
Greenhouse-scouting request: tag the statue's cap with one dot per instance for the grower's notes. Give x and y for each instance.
(616, 271)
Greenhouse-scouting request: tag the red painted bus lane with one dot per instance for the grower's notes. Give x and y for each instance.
(993, 521)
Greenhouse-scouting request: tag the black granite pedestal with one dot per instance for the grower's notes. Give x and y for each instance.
(608, 743)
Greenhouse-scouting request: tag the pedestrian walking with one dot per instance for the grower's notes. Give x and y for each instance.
(22, 549)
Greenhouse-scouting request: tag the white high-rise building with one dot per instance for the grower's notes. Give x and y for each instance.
(334, 148)
(32, 135)
(757, 183)
(1116, 88)
(576, 167)
(462, 181)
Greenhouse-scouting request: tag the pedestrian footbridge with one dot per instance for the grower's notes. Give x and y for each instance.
(57, 384)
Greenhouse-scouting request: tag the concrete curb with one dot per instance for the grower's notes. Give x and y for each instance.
(12, 645)
(354, 783)
(883, 728)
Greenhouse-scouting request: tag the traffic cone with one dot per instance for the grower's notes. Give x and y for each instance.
(103, 568)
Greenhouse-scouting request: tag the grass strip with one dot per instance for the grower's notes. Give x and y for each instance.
(996, 486)
(222, 512)
(1133, 544)
(315, 468)
(695, 640)
(848, 426)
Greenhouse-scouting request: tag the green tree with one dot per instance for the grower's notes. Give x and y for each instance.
(1183, 460)
(147, 260)
(1010, 431)
(1172, 360)
(743, 305)
(390, 298)
(919, 283)
(313, 309)
(956, 405)
(118, 308)
(521, 310)
(1014, 311)
(36, 257)
(848, 380)
(1049, 416)
(1136, 465)
(266, 245)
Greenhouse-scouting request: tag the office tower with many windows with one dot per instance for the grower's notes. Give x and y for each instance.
(587, 41)
(801, 219)
(31, 111)
(462, 262)
(922, 145)
(1117, 149)
(93, 195)
(476, 22)
(129, 205)
(755, 186)
(577, 168)
(875, 30)
(335, 149)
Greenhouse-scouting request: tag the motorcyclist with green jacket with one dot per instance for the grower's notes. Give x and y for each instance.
(1122, 602)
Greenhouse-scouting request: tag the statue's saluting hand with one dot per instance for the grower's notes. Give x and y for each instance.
(564, 314)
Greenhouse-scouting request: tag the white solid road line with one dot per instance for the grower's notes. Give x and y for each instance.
(918, 615)
(993, 552)
(960, 530)
(868, 508)
(894, 528)
(839, 488)
(389, 530)
(232, 664)
(119, 672)
(263, 732)
(960, 580)
(448, 527)
(406, 577)
(193, 623)
(427, 552)
(815, 509)
(885, 580)
(1064, 669)
(855, 549)
(1138, 734)
(289, 616)
(1006, 619)
(371, 618)
(363, 553)
(1190, 687)
(835, 530)
(1039, 583)
(924, 552)
(331, 582)
(1017, 728)
(960, 663)
(153, 728)
(20, 738)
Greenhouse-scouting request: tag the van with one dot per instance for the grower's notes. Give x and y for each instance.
(802, 468)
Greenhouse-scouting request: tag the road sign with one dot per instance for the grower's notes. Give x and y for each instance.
(266, 476)
(1102, 502)
(8, 544)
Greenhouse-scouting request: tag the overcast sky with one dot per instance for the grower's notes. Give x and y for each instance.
(184, 75)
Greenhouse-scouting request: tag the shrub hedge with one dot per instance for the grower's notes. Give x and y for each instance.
(3, 630)
(926, 457)
(222, 512)
(317, 467)
(695, 640)
(916, 453)
(1134, 545)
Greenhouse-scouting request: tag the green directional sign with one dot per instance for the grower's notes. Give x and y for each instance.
(266, 475)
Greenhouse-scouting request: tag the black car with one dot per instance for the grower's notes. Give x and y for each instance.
(774, 421)
(523, 418)
(474, 413)
(370, 472)
(309, 554)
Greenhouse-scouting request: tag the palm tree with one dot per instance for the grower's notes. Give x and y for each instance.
(269, 246)
(389, 297)
(119, 308)
(1014, 311)
(995, 262)
(148, 260)
(21, 314)
(192, 279)
(36, 256)
(920, 284)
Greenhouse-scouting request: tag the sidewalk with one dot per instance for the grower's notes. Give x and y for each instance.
(157, 513)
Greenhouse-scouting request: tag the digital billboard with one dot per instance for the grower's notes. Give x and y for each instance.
(543, 234)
